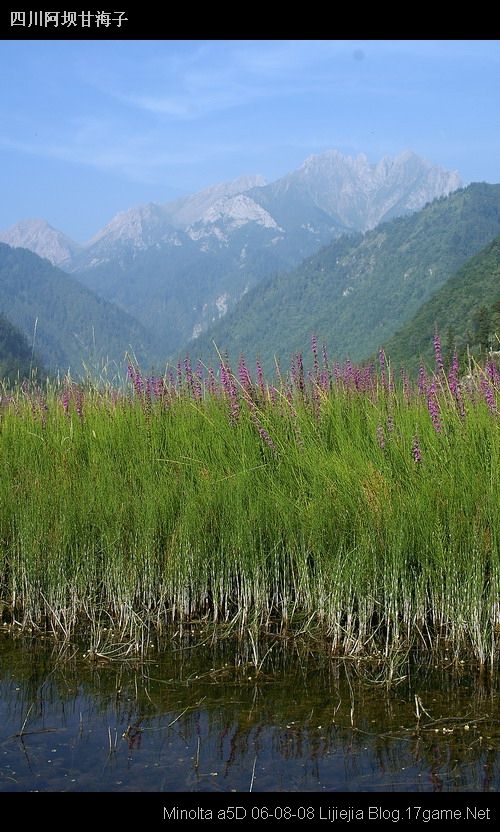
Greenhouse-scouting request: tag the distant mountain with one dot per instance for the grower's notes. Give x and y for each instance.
(15, 353)
(357, 292)
(457, 310)
(152, 225)
(42, 239)
(184, 212)
(180, 267)
(357, 195)
(68, 323)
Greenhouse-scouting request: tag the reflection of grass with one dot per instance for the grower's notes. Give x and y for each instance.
(305, 507)
(300, 708)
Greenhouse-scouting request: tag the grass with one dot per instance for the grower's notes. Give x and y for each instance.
(333, 503)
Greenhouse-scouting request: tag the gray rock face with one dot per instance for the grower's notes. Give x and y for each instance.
(42, 239)
(360, 195)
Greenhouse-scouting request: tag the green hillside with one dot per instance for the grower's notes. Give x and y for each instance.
(15, 353)
(355, 294)
(68, 323)
(466, 310)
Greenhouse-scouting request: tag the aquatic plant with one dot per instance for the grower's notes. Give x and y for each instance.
(353, 504)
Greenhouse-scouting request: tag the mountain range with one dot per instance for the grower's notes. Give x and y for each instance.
(351, 251)
(356, 293)
(65, 322)
(179, 268)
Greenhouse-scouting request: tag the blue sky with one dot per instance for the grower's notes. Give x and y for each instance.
(88, 128)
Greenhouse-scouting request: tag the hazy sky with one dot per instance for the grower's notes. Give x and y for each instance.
(88, 128)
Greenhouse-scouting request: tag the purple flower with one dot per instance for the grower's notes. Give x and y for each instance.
(433, 407)
(212, 384)
(422, 379)
(244, 375)
(348, 373)
(492, 372)
(136, 379)
(437, 353)
(417, 456)
(158, 387)
(488, 395)
(324, 379)
(267, 439)
(224, 378)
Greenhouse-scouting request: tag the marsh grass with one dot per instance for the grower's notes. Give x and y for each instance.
(298, 507)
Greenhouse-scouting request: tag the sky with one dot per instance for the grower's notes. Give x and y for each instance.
(90, 128)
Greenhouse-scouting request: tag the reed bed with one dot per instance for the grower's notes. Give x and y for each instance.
(342, 501)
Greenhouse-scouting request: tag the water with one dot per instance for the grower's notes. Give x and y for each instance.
(199, 718)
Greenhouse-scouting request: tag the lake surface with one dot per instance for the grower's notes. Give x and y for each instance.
(198, 718)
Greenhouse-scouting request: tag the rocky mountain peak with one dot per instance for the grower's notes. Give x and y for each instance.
(188, 210)
(360, 193)
(39, 236)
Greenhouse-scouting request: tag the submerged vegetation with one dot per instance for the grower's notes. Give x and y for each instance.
(344, 501)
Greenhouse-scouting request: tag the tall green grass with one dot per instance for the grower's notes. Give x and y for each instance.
(285, 511)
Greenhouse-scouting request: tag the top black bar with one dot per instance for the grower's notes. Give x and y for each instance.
(173, 22)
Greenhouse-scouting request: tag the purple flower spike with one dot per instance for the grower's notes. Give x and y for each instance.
(438, 353)
(417, 455)
(492, 372)
(244, 375)
(267, 439)
(212, 384)
(433, 408)
(488, 395)
(422, 379)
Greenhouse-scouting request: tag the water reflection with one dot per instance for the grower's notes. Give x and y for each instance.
(199, 718)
